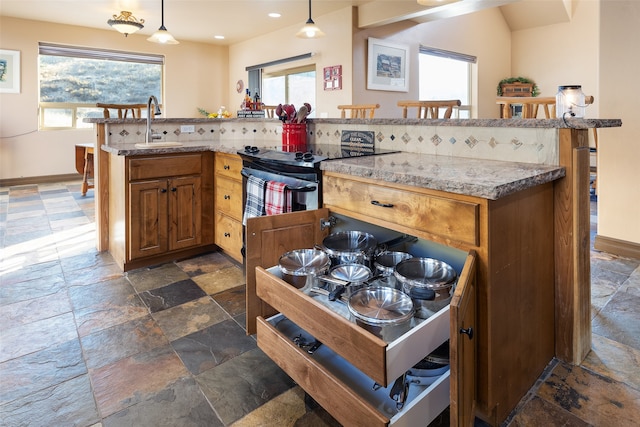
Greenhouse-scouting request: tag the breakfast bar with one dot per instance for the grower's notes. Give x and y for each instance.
(512, 193)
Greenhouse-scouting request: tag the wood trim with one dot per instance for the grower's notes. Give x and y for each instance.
(43, 179)
(571, 237)
(617, 247)
(101, 183)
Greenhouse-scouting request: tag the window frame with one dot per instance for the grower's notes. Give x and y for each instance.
(52, 49)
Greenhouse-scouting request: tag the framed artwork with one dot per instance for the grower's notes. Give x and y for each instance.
(9, 71)
(333, 77)
(388, 66)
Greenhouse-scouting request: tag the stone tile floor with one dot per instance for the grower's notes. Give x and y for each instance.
(82, 344)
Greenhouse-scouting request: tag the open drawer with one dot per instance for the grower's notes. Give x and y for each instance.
(267, 294)
(381, 361)
(343, 390)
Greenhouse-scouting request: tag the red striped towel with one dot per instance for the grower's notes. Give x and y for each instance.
(277, 199)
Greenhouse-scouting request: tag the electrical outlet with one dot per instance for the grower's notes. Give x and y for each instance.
(187, 129)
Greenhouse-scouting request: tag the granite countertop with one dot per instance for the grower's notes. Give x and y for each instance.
(581, 123)
(489, 179)
(186, 147)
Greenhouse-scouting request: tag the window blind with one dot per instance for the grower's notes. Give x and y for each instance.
(94, 53)
(448, 54)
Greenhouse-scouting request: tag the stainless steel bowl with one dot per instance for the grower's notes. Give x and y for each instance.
(349, 247)
(385, 264)
(385, 312)
(429, 282)
(301, 267)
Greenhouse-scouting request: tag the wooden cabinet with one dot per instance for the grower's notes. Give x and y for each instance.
(166, 215)
(513, 242)
(164, 207)
(228, 204)
(345, 389)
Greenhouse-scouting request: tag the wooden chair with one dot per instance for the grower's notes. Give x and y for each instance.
(531, 104)
(430, 109)
(123, 110)
(84, 165)
(270, 111)
(361, 111)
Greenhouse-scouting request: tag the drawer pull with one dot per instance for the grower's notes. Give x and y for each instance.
(468, 331)
(163, 190)
(384, 205)
(227, 197)
(227, 234)
(226, 167)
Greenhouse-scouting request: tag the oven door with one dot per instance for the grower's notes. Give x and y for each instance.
(305, 191)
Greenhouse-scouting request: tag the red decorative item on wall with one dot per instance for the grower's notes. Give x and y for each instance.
(333, 77)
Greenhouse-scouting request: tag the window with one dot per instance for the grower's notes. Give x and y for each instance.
(446, 75)
(293, 86)
(72, 80)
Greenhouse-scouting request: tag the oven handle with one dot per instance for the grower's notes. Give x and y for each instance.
(304, 189)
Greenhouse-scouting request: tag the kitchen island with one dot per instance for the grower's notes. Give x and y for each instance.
(542, 195)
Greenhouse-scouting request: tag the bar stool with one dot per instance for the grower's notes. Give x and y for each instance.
(84, 165)
(430, 109)
(123, 110)
(358, 111)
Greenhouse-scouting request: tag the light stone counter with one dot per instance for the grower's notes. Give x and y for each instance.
(488, 179)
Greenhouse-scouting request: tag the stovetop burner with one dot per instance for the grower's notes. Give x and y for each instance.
(313, 156)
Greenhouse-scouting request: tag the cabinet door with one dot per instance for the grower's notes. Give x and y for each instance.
(185, 216)
(463, 345)
(148, 218)
(267, 238)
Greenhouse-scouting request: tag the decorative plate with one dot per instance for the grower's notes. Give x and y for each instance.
(240, 86)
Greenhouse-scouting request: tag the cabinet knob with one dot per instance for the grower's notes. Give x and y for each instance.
(384, 205)
(227, 197)
(227, 234)
(468, 331)
(174, 189)
(163, 190)
(226, 167)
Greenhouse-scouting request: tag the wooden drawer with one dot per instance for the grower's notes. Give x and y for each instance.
(228, 165)
(380, 361)
(164, 166)
(228, 198)
(229, 235)
(341, 388)
(404, 210)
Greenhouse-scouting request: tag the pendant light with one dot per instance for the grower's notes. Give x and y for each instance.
(162, 36)
(310, 29)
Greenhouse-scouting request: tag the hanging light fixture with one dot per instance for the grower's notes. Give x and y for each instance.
(126, 23)
(310, 29)
(162, 36)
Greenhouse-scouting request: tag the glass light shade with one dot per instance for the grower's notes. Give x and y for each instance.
(310, 31)
(570, 101)
(162, 36)
(126, 23)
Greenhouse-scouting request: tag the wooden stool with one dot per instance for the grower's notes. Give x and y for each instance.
(84, 165)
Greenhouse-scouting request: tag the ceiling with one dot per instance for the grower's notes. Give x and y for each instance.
(237, 20)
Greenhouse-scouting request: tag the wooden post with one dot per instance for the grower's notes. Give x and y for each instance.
(572, 248)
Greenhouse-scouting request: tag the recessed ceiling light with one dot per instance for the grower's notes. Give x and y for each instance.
(219, 37)
(274, 15)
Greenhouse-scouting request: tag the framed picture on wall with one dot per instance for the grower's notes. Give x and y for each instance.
(9, 71)
(388, 66)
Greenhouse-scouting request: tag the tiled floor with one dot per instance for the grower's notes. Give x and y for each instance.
(83, 344)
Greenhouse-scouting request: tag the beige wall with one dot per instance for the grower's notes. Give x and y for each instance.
(195, 76)
(484, 34)
(619, 149)
(596, 50)
(333, 49)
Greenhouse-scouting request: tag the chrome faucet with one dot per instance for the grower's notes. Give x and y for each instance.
(149, 136)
